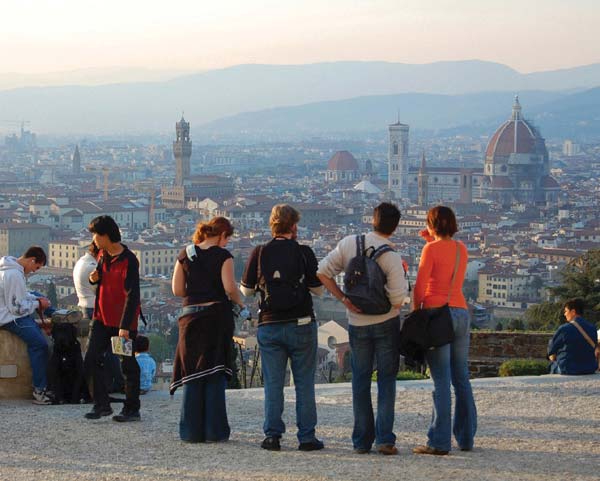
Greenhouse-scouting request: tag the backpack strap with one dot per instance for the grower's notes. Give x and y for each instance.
(382, 249)
(190, 251)
(258, 267)
(142, 317)
(456, 262)
(360, 245)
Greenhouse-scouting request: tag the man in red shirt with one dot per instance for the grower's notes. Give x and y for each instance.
(116, 313)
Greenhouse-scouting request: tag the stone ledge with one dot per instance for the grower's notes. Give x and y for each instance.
(13, 352)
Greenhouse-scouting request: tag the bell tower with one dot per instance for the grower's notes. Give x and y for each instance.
(182, 151)
(398, 160)
(76, 165)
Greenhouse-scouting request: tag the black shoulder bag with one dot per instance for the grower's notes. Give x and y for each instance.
(424, 329)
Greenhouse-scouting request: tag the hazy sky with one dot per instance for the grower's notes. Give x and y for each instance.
(528, 35)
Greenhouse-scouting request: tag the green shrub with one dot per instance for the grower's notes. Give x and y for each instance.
(404, 376)
(523, 367)
(347, 377)
(410, 376)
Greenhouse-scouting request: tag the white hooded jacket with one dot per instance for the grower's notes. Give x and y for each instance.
(15, 300)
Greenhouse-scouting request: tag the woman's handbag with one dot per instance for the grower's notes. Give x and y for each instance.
(424, 329)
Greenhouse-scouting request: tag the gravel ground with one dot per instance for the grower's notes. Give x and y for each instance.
(530, 428)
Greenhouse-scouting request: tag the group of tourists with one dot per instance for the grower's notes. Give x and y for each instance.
(286, 274)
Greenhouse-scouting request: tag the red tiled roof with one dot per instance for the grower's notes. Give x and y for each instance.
(342, 160)
(503, 141)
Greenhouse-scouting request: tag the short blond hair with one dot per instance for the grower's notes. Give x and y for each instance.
(283, 218)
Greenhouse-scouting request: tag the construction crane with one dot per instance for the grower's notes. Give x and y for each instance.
(105, 171)
(22, 123)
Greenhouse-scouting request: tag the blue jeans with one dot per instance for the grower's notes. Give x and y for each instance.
(27, 329)
(448, 364)
(379, 343)
(203, 410)
(279, 342)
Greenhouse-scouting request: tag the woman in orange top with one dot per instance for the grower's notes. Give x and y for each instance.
(449, 363)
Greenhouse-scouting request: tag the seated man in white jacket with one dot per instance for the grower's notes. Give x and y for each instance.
(17, 306)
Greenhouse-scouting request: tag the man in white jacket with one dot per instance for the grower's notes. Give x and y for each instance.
(17, 306)
(373, 337)
(86, 292)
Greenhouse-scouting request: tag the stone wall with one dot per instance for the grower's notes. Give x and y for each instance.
(490, 349)
(13, 352)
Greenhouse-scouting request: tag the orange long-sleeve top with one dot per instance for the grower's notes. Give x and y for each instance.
(434, 277)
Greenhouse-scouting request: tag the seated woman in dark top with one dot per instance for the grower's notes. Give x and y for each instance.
(204, 277)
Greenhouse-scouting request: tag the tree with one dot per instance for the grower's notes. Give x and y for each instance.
(499, 326)
(580, 279)
(543, 317)
(159, 348)
(515, 325)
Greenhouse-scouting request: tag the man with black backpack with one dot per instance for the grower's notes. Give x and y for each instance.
(284, 273)
(375, 287)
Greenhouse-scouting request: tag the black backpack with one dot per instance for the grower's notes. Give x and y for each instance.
(364, 281)
(284, 288)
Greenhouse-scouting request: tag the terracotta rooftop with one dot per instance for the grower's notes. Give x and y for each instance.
(342, 160)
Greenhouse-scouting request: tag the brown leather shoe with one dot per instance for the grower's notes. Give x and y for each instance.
(429, 450)
(387, 449)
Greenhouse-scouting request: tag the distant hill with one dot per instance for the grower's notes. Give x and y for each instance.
(556, 113)
(576, 115)
(207, 96)
(421, 111)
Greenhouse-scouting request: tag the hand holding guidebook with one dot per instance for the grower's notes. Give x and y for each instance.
(121, 346)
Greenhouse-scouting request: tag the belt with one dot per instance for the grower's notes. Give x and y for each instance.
(301, 321)
(187, 310)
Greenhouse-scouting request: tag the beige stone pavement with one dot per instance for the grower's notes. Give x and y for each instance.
(530, 428)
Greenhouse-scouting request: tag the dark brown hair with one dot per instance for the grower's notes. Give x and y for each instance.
(37, 253)
(442, 220)
(283, 218)
(105, 225)
(385, 218)
(93, 249)
(142, 343)
(213, 228)
(576, 304)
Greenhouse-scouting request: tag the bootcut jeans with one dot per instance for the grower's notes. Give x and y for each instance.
(449, 364)
(374, 343)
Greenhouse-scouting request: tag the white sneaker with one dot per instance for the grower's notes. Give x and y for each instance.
(42, 397)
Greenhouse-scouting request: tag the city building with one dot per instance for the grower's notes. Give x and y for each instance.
(16, 238)
(430, 185)
(517, 165)
(65, 253)
(197, 189)
(155, 259)
(570, 148)
(507, 287)
(342, 168)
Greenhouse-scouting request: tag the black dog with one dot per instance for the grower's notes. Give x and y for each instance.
(65, 370)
